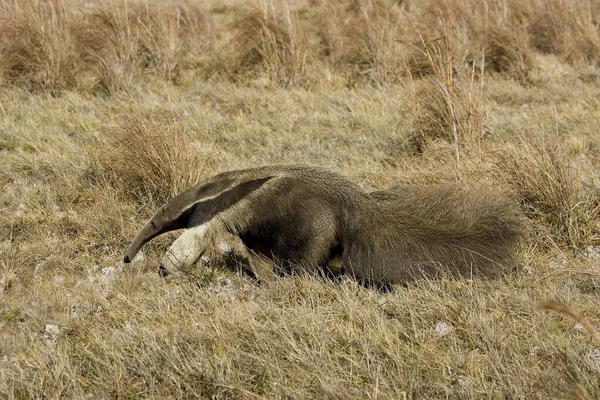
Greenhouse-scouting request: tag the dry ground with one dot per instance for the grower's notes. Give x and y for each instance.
(108, 109)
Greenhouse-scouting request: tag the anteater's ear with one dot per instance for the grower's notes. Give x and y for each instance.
(196, 205)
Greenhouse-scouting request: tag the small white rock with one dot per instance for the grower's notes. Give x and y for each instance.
(579, 328)
(558, 262)
(223, 287)
(139, 257)
(107, 275)
(464, 382)
(592, 252)
(442, 328)
(52, 330)
(54, 240)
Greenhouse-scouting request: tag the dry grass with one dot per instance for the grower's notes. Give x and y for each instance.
(105, 46)
(150, 159)
(110, 44)
(571, 312)
(37, 47)
(120, 41)
(552, 194)
(109, 109)
(270, 41)
(368, 41)
(46, 47)
(569, 29)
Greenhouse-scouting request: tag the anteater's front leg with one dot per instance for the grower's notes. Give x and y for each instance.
(212, 244)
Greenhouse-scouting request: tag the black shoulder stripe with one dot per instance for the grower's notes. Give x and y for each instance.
(205, 210)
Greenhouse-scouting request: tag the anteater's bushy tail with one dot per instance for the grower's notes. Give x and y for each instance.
(432, 229)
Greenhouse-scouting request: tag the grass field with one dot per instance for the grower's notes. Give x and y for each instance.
(109, 108)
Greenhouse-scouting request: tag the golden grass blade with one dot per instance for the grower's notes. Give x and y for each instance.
(569, 311)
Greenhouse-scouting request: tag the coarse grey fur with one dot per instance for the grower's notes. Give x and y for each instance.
(302, 218)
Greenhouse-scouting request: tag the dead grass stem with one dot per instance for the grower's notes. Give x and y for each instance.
(570, 312)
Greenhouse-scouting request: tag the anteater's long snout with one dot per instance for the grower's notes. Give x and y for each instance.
(149, 231)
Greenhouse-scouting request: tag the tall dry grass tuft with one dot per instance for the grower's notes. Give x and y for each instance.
(331, 33)
(448, 110)
(363, 37)
(122, 41)
(162, 38)
(37, 46)
(507, 50)
(169, 34)
(383, 41)
(570, 29)
(491, 34)
(553, 197)
(270, 41)
(150, 159)
(109, 42)
(447, 98)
